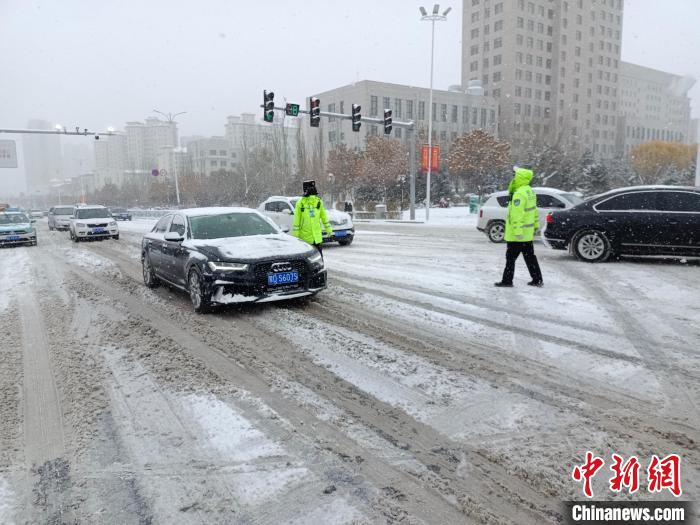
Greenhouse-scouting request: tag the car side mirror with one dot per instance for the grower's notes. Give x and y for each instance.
(33, 220)
(288, 211)
(173, 237)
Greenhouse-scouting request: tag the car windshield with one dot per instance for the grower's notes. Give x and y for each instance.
(13, 218)
(572, 198)
(63, 211)
(118, 210)
(229, 225)
(94, 213)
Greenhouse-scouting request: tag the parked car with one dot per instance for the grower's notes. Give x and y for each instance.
(642, 220)
(92, 222)
(120, 214)
(59, 217)
(492, 215)
(36, 214)
(227, 256)
(16, 228)
(281, 210)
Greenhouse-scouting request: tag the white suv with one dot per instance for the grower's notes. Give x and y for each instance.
(92, 222)
(492, 215)
(281, 211)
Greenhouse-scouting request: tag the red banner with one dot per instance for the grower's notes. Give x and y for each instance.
(424, 152)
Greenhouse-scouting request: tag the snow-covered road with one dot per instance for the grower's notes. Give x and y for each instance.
(410, 391)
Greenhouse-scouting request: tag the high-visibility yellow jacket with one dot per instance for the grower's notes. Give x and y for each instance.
(309, 217)
(522, 219)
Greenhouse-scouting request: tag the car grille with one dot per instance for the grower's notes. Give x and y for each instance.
(98, 225)
(15, 232)
(262, 269)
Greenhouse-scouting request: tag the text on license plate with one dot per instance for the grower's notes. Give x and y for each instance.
(341, 233)
(14, 238)
(274, 279)
(98, 230)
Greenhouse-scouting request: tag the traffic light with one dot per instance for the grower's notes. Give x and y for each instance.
(387, 121)
(356, 117)
(315, 112)
(269, 105)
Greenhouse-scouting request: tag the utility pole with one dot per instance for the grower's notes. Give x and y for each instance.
(434, 17)
(171, 120)
(412, 144)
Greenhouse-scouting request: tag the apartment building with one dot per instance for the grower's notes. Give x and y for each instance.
(209, 155)
(145, 141)
(455, 112)
(654, 105)
(552, 65)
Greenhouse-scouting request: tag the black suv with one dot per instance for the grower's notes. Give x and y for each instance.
(641, 220)
(228, 256)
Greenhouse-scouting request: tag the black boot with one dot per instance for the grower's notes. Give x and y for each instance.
(501, 284)
(539, 284)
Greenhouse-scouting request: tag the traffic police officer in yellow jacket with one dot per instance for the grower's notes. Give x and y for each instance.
(310, 216)
(521, 224)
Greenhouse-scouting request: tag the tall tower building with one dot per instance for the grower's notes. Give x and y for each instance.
(43, 161)
(553, 66)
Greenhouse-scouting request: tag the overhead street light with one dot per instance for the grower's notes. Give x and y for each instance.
(434, 17)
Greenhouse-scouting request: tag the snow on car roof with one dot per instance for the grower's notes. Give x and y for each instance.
(198, 212)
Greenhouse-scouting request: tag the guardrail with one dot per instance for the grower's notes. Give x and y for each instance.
(148, 214)
(372, 215)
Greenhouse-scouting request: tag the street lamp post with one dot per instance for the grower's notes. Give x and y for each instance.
(171, 119)
(435, 16)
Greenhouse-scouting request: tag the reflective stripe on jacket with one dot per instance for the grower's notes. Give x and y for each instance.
(522, 220)
(309, 217)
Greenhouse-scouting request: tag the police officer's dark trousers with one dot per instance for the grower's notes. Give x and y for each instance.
(512, 252)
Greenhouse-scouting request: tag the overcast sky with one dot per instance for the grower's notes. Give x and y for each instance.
(100, 64)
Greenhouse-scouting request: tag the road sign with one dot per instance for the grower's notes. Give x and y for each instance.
(435, 164)
(155, 172)
(292, 110)
(8, 154)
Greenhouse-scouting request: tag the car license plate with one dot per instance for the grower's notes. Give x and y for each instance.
(14, 238)
(341, 233)
(98, 230)
(274, 279)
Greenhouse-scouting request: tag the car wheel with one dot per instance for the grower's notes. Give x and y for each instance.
(345, 242)
(115, 237)
(496, 231)
(74, 237)
(149, 276)
(200, 300)
(591, 246)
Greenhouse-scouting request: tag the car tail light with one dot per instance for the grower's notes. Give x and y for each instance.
(550, 218)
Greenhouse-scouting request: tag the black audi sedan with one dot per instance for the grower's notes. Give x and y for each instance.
(228, 256)
(640, 220)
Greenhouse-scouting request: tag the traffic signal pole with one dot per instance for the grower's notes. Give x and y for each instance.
(410, 128)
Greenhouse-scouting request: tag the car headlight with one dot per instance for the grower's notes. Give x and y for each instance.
(316, 260)
(80, 224)
(227, 266)
(112, 223)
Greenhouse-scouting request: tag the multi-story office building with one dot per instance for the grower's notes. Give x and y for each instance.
(210, 155)
(110, 160)
(43, 161)
(175, 161)
(654, 105)
(455, 112)
(145, 141)
(553, 66)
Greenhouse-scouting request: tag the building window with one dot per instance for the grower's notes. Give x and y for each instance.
(518, 91)
(434, 109)
(498, 8)
(519, 40)
(498, 25)
(498, 42)
(474, 50)
(475, 116)
(474, 66)
(443, 138)
(443, 112)
(373, 106)
(497, 59)
(465, 115)
(213, 163)
(455, 110)
(212, 152)
(497, 77)
(518, 74)
(421, 110)
(331, 109)
(496, 93)
(387, 102)
(409, 109)
(475, 32)
(222, 153)
(398, 110)
(520, 24)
